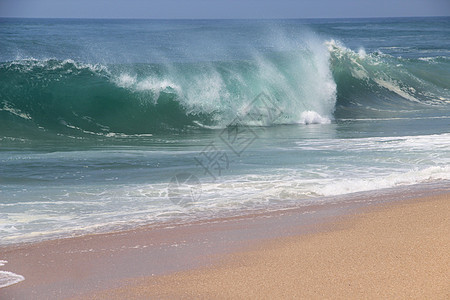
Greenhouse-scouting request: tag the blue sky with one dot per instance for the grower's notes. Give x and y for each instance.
(222, 8)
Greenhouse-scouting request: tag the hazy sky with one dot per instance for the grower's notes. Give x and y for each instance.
(222, 8)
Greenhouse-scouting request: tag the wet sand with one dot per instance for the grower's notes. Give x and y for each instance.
(352, 249)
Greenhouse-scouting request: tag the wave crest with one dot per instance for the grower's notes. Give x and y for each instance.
(371, 82)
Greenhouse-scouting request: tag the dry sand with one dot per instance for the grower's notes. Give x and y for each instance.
(396, 250)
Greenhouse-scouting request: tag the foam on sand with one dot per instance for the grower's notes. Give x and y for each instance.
(9, 278)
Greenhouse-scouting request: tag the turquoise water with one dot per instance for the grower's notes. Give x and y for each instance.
(109, 124)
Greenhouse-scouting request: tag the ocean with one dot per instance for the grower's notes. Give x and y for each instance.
(112, 124)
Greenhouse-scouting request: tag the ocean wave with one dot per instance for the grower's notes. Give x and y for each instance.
(368, 82)
(315, 83)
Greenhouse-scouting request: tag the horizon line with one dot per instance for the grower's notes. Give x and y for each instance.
(251, 18)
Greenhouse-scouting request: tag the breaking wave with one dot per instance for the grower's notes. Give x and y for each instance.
(316, 83)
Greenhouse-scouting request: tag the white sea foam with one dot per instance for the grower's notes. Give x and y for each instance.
(353, 185)
(147, 84)
(126, 80)
(106, 133)
(393, 86)
(53, 64)
(16, 112)
(231, 193)
(8, 278)
(311, 117)
(424, 143)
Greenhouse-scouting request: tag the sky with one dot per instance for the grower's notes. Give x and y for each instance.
(222, 9)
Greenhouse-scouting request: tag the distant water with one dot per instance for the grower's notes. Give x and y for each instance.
(108, 124)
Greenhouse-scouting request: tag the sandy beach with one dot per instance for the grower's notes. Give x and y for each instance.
(393, 251)
(348, 249)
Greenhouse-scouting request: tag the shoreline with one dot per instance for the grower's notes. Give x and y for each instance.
(88, 264)
(402, 191)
